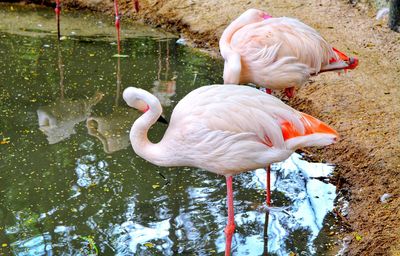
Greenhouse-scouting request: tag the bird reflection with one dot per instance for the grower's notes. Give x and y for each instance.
(265, 235)
(165, 86)
(112, 130)
(57, 120)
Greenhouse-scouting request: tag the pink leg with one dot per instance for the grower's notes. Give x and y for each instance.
(58, 11)
(136, 5)
(230, 227)
(290, 92)
(117, 25)
(268, 186)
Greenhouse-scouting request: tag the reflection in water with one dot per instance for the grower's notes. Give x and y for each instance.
(57, 120)
(308, 200)
(165, 86)
(90, 171)
(186, 230)
(69, 198)
(113, 130)
(39, 245)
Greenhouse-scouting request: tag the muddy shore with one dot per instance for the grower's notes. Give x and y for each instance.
(363, 105)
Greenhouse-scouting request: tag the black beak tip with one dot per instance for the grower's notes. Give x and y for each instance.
(161, 119)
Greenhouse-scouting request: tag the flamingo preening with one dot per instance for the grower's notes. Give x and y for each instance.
(276, 53)
(225, 129)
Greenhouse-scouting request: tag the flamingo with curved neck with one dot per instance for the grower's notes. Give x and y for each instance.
(276, 53)
(224, 129)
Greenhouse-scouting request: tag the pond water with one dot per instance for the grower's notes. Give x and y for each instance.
(70, 183)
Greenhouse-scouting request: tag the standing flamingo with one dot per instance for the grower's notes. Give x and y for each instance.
(276, 53)
(225, 129)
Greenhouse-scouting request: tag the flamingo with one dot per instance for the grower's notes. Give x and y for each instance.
(224, 129)
(276, 53)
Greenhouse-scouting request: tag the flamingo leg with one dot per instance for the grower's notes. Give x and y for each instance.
(230, 227)
(266, 233)
(58, 11)
(117, 25)
(290, 92)
(268, 199)
(136, 5)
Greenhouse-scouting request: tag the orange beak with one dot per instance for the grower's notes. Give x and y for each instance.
(351, 61)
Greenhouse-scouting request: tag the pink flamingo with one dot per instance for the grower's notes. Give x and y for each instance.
(276, 53)
(225, 129)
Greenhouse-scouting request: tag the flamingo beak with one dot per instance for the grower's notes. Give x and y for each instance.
(161, 119)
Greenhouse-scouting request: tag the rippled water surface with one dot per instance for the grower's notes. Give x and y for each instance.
(70, 184)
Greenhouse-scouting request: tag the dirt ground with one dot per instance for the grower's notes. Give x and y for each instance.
(363, 105)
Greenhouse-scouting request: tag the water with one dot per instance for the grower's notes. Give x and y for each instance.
(70, 183)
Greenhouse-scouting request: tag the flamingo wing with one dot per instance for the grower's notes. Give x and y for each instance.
(292, 37)
(239, 110)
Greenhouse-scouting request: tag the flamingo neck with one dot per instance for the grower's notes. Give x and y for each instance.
(138, 134)
(232, 67)
(226, 36)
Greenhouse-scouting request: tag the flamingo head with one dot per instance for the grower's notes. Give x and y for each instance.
(254, 15)
(136, 97)
(131, 96)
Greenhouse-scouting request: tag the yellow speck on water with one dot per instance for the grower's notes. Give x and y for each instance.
(4, 245)
(5, 140)
(91, 54)
(155, 186)
(149, 245)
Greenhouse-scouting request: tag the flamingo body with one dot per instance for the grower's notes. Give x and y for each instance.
(276, 53)
(224, 129)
